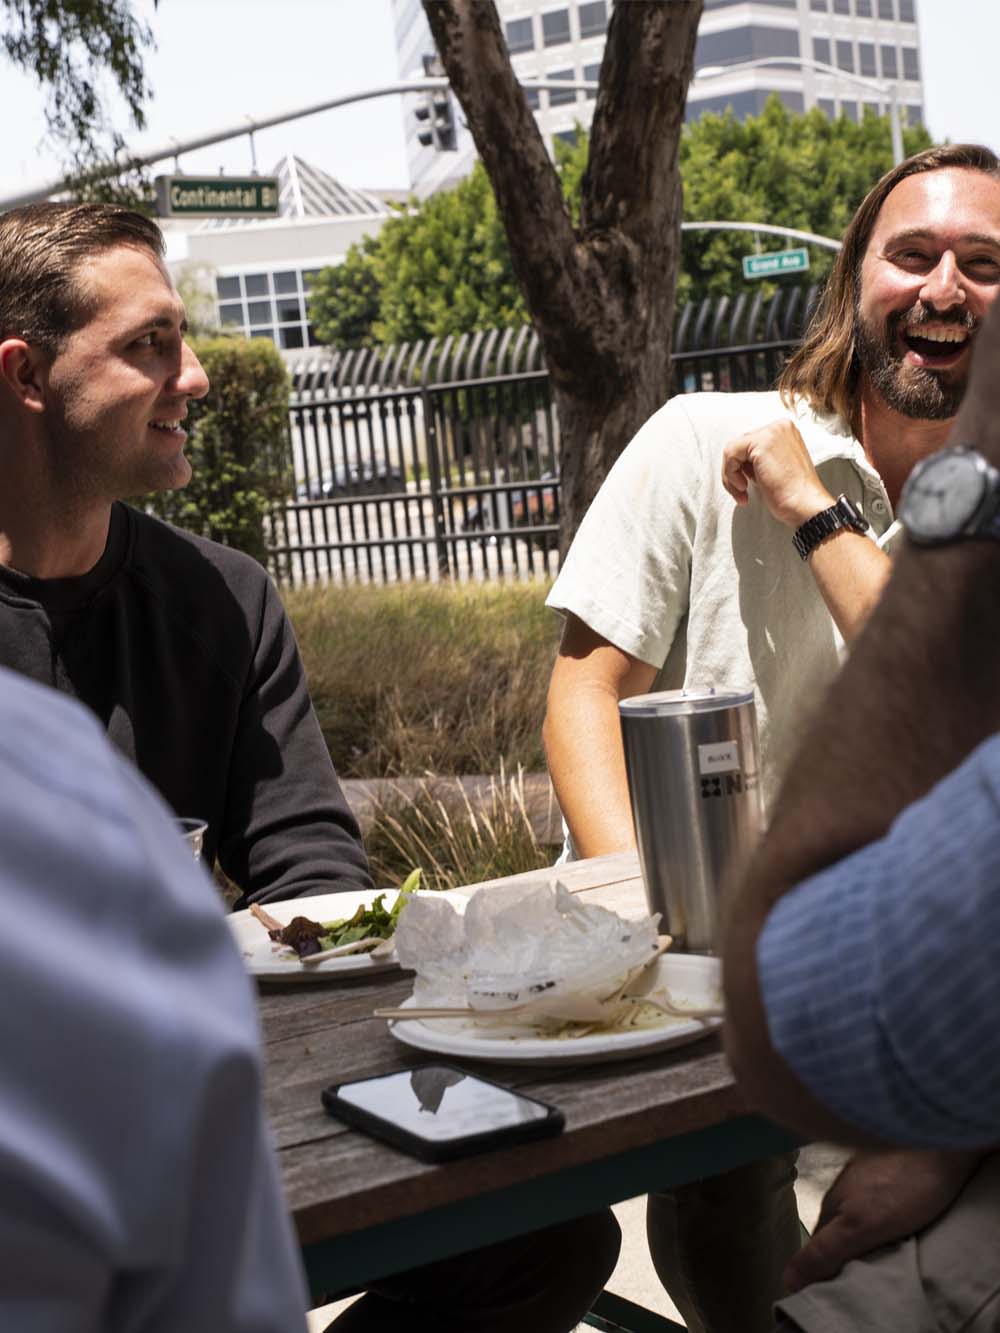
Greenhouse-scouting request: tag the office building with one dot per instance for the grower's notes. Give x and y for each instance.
(564, 39)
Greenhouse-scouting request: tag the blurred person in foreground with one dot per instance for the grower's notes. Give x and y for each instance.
(668, 584)
(862, 952)
(138, 1187)
(183, 650)
(179, 645)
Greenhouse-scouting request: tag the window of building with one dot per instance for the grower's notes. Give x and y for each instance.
(821, 50)
(286, 282)
(534, 98)
(259, 312)
(292, 337)
(555, 27)
(841, 6)
(289, 310)
(747, 42)
(845, 56)
(889, 67)
(593, 18)
(825, 105)
(245, 304)
(262, 333)
(561, 98)
(519, 36)
(256, 284)
(742, 104)
(911, 63)
(228, 289)
(566, 136)
(907, 13)
(849, 109)
(914, 114)
(231, 312)
(886, 9)
(592, 73)
(866, 58)
(820, 6)
(863, 8)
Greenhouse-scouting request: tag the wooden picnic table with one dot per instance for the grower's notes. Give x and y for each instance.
(365, 1210)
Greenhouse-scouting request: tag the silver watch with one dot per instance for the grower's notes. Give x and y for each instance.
(955, 493)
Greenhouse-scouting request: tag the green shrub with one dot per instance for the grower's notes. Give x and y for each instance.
(238, 447)
(428, 678)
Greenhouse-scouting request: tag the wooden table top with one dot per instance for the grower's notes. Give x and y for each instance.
(338, 1180)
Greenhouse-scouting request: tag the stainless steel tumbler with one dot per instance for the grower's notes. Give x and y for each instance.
(694, 782)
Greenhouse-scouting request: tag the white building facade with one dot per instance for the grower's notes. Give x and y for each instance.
(564, 39)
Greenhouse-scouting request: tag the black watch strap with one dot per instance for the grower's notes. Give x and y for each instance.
(843, 515)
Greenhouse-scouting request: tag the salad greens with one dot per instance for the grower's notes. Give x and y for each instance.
(368, 922)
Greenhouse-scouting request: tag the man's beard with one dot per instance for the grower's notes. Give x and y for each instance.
(914, 391)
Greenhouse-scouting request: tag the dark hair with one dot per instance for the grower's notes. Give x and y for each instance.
(42, 247)
(824, 368)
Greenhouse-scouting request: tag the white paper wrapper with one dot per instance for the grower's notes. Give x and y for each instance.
(528, 944)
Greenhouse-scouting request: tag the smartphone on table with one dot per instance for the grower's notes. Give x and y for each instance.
(439, 1112)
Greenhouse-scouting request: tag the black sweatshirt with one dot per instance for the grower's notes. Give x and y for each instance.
(183, 650)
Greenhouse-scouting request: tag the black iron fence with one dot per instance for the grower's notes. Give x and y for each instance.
(441, 459)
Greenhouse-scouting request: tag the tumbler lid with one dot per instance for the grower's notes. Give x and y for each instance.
(664, 703)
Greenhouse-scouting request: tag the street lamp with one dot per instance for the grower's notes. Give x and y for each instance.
(889, 91)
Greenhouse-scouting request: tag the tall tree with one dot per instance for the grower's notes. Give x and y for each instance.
(68, 46)
(601, 292)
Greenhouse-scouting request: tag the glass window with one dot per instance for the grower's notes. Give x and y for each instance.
(259, 312)
(262, 333)
(314, 341)
(256, 284)
(821, 50)
(747, 42)
(863, 8)
(845, 56)
(231, 312)
(849, 109)
(886, 9)
(534, 98)
(914, 115)
(567, 136)
(841, 6)
(519, 35)
(906, 11)
(866, 58)
(742, 104)
(825, 105)
(555, 27)
(292, 337)
(309, 276)
(592, 73)
(778, 4)
(560, 98)
(911, 63)
(228, 289)
(820, 6)
(889, 68)
(286, 282)
(593, 18)
(289, 310)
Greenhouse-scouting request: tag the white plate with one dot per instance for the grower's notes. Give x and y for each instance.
(692, 979)
(271, 962)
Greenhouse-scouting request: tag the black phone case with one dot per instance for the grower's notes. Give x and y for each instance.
(447, 1150)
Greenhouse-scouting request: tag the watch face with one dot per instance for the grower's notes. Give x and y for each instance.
(942, 495)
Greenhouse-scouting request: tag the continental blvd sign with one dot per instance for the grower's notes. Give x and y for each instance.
(772, 265)
(216, 196)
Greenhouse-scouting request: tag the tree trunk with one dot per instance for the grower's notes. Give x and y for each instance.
(601, 295)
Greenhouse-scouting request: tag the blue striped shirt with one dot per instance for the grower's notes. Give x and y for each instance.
(881, 974)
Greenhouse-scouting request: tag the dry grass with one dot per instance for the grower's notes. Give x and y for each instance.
(428, 678)
(452, 839)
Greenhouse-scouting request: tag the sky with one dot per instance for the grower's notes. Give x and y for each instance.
(218, 61)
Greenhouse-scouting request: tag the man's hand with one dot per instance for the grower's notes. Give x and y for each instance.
(878, 1198)
(776, 458)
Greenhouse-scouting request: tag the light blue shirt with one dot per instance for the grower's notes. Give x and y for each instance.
(881, 975)
(138, 1188)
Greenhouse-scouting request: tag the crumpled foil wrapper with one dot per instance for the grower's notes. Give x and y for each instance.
(525, 944)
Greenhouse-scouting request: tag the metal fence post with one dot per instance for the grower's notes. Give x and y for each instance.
(437, 496)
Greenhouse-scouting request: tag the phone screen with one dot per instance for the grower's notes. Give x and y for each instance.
(439, 1103)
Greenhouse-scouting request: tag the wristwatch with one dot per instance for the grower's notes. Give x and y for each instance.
(952, 494)
(844, 515)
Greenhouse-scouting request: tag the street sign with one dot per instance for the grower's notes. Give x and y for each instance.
(216, 196)
(772, 265)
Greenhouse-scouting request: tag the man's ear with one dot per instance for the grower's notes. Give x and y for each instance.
(22, 373)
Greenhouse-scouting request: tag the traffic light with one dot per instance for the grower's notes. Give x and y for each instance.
(435, 116)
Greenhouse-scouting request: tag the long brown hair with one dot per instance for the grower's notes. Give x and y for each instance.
(824, 368)
(42, 248)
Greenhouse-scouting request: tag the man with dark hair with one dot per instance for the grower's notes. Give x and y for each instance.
(669, 584)
(180, 646)
(183, 650)
(862, 950)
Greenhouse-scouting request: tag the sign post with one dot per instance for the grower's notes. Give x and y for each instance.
(774, 264)
(216, 196)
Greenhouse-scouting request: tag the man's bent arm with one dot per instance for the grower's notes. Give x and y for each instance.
(917, 696)
(583, 739)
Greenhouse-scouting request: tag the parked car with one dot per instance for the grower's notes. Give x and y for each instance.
(371, 478)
